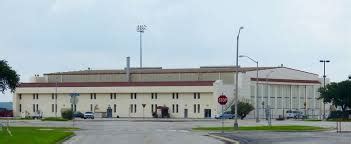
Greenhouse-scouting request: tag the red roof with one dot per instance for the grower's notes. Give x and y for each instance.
(287, 80)
(118, 84)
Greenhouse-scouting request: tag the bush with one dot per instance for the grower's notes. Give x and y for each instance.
(339, 114)
(67, 114)
(54, 119)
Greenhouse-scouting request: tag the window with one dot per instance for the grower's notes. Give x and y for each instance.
(196, 95)
(37, 96)
(135, 108)
(37, 107)
(75, 107)
(52, 108)
(133, 96)
(55, 95)
(20, 107)
(33, 107)
(177, 108)
(33, 96)
(91, 95)
(55, 107)
(131, 108)
(198, 108)
(52, 96)
(152, 108)
(194, 108)
(94, 95)
(91, 107)
(72, 108)
(152, 95)
(155, 95)
(114, 108)
(112, 95)
(174, 95)
(20, 96)
(172, 108)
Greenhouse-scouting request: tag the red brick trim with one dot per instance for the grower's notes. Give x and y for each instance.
(118, 84)
(287, 80)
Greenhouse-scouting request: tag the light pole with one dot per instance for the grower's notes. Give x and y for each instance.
(236, 126)
(141, 29)
(324, 61)
(257, 105)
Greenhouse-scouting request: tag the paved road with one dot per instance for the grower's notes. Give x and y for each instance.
(289, 137)
(130, 131)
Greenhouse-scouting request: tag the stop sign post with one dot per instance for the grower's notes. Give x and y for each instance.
(222, 100)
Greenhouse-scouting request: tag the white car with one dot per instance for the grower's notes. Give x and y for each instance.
(293, 114)
(88, 115)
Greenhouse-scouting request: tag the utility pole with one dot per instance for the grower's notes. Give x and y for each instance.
(141, 29)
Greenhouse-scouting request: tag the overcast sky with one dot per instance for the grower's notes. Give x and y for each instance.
(43, 36)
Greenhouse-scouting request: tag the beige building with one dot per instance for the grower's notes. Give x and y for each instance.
(187, 92)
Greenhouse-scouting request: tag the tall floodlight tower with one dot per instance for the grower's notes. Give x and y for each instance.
(141, 29)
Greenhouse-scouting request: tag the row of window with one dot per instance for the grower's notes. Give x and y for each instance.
(133, 108)
(114, 96)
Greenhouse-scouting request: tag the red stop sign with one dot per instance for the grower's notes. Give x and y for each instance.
(222, 99)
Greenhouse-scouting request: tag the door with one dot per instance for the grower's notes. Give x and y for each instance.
(185, 113)
(207, 113)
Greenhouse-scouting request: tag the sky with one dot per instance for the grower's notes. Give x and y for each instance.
(44, 36)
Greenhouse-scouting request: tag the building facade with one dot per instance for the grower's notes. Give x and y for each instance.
(188, 92)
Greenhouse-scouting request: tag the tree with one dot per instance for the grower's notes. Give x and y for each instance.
(9, 79)
(243, 109)
(339, 94)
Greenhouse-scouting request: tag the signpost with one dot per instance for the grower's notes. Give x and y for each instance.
(222, 100)
(74, 101)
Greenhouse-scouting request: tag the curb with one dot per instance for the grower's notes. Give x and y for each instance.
(231, 141)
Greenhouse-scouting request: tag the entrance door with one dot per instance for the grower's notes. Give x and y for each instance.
(185, 113)
(207, 113)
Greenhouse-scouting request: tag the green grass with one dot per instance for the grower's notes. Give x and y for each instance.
(54, 119)
(290, 128)
(34, 135)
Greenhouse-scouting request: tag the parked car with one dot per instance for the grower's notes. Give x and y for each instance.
(225, 116)
(37, 115)
(294, 114)
(78, 115)
(88, 115)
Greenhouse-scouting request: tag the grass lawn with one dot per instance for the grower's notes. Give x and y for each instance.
(288, 128)
(34, 135)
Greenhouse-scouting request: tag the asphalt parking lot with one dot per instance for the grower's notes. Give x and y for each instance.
(289, 137)
(175, 131)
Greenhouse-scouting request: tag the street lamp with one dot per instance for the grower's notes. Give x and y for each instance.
(141, 29)
(324, 61)
(257, 105)
(236, 126)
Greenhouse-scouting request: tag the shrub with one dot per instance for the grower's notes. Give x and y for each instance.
(67, 114)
